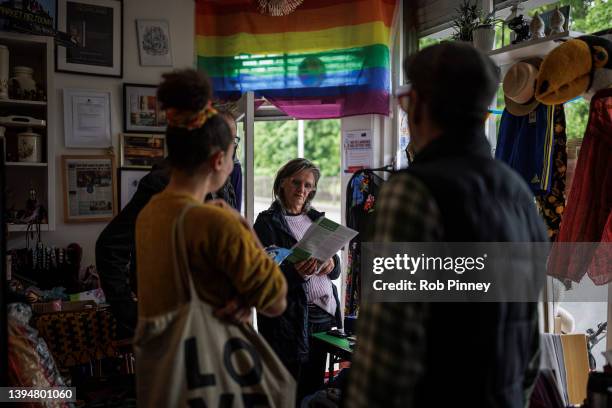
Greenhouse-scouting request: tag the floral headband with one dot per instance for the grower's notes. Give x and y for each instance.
(189, 119)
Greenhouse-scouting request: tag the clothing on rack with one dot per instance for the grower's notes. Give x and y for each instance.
(525, 143)
(552, 204)
(361, 194)
(588, 215)
(236, 180)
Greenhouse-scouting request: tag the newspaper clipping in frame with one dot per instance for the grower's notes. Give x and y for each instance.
(90, 192)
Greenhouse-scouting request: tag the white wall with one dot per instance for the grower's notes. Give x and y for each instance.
(181, 15)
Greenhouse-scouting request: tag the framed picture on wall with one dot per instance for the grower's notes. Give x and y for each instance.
(89, 187)
(95, 28)
(128, 184)
(154, 47)
(87, 121)
(140, 150)
(141, 110)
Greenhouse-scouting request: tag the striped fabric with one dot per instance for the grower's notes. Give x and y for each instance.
(319, 290)
(327, 59)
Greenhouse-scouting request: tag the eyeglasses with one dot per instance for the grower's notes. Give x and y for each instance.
(297, 184)
(403, 96)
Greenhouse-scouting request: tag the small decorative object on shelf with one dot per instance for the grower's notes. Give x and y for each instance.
(484, 34)
(22, 84)
(536, 27)
(556, 22)
(515, 11)
(4, 72)
(29, 146)
(520, 28)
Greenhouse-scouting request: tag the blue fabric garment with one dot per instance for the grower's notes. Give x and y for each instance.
(358, 196)
(525, 143)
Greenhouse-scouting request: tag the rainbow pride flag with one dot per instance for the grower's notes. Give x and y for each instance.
(327, 59)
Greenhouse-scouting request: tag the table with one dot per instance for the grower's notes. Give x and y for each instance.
(337, 348)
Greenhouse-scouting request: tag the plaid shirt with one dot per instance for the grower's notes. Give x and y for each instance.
(388, 360)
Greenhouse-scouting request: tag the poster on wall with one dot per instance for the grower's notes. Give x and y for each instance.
(128, 182)
(357, 150)
(154, 45)
(88, 188)
(141, 110)
(87, 121)
(32, 17)
(95, 28)
(141, 151)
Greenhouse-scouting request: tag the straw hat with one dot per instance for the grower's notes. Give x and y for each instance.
(519, 87)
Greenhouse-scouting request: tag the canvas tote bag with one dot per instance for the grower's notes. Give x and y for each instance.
(189, 358)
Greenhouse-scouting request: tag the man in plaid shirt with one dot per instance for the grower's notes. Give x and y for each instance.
(448, 354)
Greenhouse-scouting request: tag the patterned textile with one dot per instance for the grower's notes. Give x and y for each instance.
(327, 59)
(389, 354)
(552, 204)
(361, 201)
(588, 216)
(76, 338)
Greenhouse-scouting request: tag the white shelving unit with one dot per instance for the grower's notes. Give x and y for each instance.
(26, 164)
(532, 48)
(36, 52)
(20, 101)
(24, 227)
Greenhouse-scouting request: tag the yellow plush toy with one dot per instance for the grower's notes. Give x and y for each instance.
(577, 67)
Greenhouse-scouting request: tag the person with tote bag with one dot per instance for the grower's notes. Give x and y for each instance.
(196, 261)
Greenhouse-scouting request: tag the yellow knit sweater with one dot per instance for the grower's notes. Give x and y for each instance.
(224, 258)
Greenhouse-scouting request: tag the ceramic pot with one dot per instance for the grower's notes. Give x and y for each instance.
(484, 38)
(29, 146)
(23, 77)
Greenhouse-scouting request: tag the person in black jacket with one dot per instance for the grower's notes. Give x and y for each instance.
(115, 251)
(312, 299)
(450, 354)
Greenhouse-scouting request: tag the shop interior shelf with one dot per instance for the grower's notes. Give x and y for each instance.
(26, 164)
(532, 48)
(22, 102)
(24, 227)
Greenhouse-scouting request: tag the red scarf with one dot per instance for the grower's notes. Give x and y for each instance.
(588, 215)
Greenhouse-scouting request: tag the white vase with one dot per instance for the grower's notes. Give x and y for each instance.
(484, 38)
(29, 147)
(4, 72)
(27, 85)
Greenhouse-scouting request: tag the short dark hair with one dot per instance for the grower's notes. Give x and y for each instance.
(190, 90)
(185, 89)
(457, 81)
(289, 169)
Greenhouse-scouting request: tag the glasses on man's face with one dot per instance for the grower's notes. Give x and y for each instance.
(403, 96)
(297, 184)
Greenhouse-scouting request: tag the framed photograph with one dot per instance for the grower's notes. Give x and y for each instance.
(89, 188)
(87, 121)
(36, 17)
(141, 111)
(154, 47)
(141, 151)
(128, 184)
(95, 28)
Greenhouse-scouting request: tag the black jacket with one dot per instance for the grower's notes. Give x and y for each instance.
(288, 333)
(479, 354)
(116, 252)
